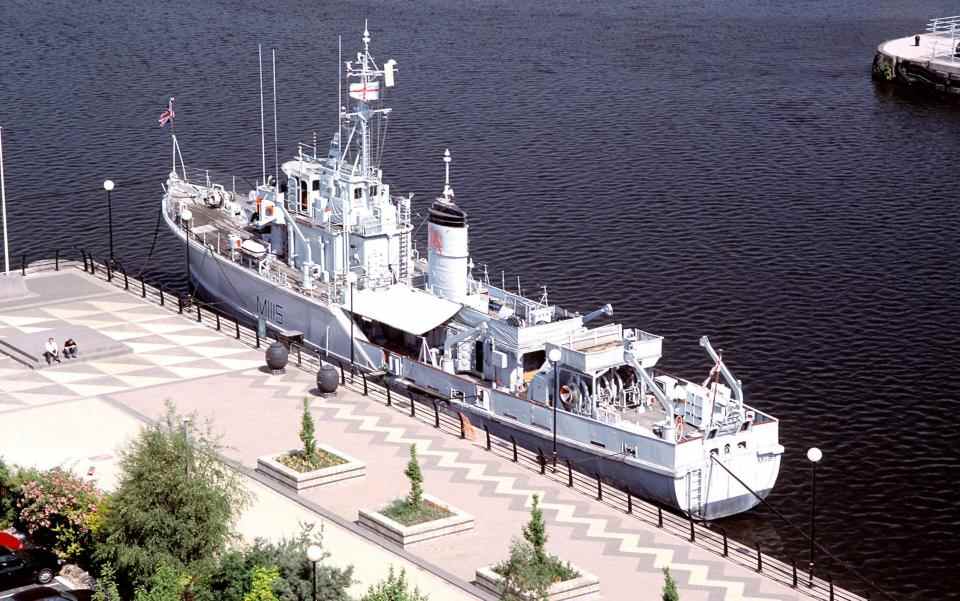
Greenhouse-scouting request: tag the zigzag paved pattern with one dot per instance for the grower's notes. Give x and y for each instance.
(595, 528)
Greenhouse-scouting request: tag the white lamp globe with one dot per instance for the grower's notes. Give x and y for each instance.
(814, 454)
(554, 355)
(108, 184)
(186, 215)
(352, 277)
(314, 553)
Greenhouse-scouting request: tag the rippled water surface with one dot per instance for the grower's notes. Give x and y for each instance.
(721, 168)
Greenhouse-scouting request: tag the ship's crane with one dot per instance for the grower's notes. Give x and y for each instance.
(732, 382)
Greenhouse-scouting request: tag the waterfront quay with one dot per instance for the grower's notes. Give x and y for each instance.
(77, 415)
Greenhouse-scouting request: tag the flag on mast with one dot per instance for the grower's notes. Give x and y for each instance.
(167, 114)
(368, 91)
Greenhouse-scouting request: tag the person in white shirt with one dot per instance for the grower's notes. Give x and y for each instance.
(51, 353)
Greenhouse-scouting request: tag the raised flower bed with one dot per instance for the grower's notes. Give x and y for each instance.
(580, 587)
(532, 573)
(313, 464)
(417, 516)
(405, 527)
(293, 470)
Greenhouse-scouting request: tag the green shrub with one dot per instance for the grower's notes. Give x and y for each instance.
(230, 580)
(669, 587)
(307, 433)
(394, 588)
(8, 510)
(166, 584)
(106, 588)
(261, 584)
(413, 473)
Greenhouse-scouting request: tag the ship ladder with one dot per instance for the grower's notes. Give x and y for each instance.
(695, 493)
(404, 245)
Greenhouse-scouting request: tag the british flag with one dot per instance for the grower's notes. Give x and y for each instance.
(167, 114)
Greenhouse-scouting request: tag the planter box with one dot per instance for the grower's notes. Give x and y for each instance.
(460, 521)
(585, 586)
(269, 466)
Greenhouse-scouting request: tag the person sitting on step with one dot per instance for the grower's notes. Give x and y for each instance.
(70, 349)
(50, 351)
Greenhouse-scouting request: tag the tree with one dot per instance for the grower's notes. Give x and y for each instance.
(307, 433)
(413, 473)
(669, 587)
(394, 588)
(174, 507)
(535, 532)
(56, 509)
(261, 584)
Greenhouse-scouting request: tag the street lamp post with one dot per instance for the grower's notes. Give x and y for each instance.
(108, 186)
(185, 216)
(352, 279)
(554, 357)
(814, 455)
(314, 555)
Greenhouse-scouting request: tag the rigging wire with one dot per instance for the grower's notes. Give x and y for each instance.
(800, 530)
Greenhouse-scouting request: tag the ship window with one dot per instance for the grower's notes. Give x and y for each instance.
(598, 444)
(304, 207)
(357, 193)
(316, 185)
(743, 428)
(373, 191)
(712, 434)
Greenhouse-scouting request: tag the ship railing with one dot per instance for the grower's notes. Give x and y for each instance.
(429, 407)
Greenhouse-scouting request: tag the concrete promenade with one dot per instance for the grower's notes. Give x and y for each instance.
(76, 415)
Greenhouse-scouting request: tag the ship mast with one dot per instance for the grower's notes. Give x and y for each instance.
(365, 90)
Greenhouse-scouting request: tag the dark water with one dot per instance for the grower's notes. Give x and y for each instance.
(725, 168)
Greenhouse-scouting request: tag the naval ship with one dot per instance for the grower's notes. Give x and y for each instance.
(325, 251)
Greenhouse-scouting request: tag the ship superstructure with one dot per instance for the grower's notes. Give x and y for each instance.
(327, 254)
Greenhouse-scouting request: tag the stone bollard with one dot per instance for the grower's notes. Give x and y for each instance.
(328, 378)
(277, 355)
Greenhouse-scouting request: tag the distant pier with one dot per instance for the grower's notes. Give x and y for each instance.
(928, 61)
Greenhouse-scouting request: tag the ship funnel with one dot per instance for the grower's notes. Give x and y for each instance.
(448, 255)
(604, 311)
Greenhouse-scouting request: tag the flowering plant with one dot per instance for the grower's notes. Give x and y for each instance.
(58, 510)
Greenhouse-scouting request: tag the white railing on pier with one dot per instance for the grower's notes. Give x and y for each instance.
(947, 30)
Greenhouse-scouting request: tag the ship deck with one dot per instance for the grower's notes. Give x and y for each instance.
(213, 227)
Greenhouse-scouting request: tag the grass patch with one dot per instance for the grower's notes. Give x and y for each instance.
(401, 511)
(298, 460)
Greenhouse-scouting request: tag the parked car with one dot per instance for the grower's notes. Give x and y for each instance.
(26, 566)
(45, 593)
